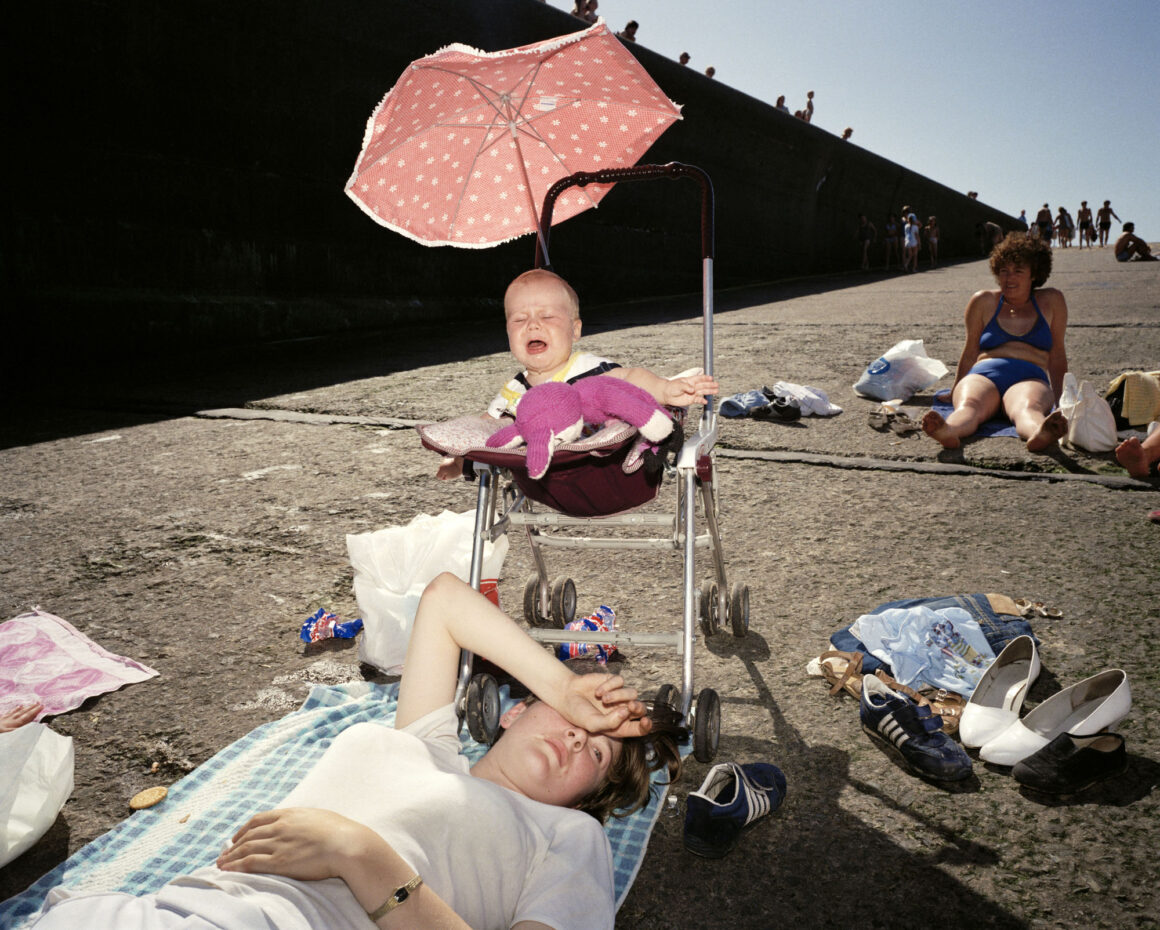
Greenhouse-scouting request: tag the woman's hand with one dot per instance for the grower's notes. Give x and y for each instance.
(601, 703)
(298, 842)
(18, 716)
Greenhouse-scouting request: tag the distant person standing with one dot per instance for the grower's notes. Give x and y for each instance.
(684, 59)
(1064, 228)
(1044, 223)
(890, 234)
(867, 233)
(1131, 247)
(1084, 217)
(846, 133)
(808, 112)
(931, 230)
(1104, 219)
(780, 105)
(629, 31)
(910, 237)
(710, 71)
(1023, 217)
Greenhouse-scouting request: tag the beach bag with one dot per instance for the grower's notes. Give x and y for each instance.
(901, 371)
(392, 566)
(1134, 397)
(36, 778)
(1090, 423)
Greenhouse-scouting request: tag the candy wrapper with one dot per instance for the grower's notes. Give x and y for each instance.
(324, 625)
(602, 621)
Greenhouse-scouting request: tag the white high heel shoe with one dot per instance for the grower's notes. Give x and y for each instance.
(1087, 707)
(996, 701)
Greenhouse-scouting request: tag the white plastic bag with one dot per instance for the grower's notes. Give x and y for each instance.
(36, 778)
(903, 369)
(1091, 425)
(392, 566)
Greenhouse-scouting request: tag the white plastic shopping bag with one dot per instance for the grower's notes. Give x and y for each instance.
(36, 778)
(901, 371)
(1091, 425)
(392, 566)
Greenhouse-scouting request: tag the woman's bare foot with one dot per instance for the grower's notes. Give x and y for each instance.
(1053, 429)
(1132, 456)
(936, 428)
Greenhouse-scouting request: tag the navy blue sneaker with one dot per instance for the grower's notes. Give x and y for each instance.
(913, 731)
(731, 798)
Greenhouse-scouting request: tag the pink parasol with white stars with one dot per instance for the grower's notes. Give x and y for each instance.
(462, 149)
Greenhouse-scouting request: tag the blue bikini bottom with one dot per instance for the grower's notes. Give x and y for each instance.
(1005, 372)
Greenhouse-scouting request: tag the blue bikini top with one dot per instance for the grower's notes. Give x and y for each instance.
(995, 335)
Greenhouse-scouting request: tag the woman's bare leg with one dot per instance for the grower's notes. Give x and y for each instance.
(1029, 404)
(975, 401)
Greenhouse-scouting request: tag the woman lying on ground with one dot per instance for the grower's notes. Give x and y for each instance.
(395, 825)
(1014, 358)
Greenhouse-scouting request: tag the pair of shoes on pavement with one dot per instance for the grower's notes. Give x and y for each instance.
(731, 799)
(912, 731)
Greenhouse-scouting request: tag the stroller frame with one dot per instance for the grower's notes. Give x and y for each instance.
(549, 606)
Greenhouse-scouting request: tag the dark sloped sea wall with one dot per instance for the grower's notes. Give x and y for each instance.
(177, 170)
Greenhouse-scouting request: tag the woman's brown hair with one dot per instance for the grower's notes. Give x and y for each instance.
(1025, 251)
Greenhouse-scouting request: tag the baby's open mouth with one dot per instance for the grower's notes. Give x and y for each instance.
(536, 345)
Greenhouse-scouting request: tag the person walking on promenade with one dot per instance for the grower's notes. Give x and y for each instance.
(1044, 222)
(1084, 217)
(1104, 219)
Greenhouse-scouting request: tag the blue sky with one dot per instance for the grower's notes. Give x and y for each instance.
(1025, 102)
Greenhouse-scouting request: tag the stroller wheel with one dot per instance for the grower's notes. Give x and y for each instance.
(739, 609)
(563, 602)
(669, 695)
(532, 615)
(710, 608)
(706, 725)
(483, 708)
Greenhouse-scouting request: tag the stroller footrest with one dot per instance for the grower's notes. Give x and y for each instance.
(559, 519)
(609, 638)
(587, 542)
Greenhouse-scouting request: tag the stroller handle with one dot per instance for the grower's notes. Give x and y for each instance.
(672, 170)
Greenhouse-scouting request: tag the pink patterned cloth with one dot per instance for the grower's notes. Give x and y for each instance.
(44, 658)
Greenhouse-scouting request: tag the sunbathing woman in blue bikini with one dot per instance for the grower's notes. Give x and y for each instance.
(1014, 358)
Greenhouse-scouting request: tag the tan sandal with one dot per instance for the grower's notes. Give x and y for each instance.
(946, 704)
(843, 671)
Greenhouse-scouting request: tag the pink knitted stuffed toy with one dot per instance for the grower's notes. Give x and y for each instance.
(554, 412)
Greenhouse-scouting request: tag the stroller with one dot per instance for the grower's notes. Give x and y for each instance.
(599, 481)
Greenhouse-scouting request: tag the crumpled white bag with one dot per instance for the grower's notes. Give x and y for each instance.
(901, 371)
(392, 566)
(36, 778)
(1091, 425)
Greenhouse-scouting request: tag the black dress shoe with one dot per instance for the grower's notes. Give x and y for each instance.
(780, 408)
(1069, 763)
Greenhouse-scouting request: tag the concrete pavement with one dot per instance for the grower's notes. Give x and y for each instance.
(192, 515)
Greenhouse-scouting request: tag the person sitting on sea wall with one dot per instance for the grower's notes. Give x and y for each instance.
(1130, 247)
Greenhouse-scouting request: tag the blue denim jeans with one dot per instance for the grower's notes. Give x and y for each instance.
(999, 629)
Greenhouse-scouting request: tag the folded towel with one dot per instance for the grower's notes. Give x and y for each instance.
(998, 425)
